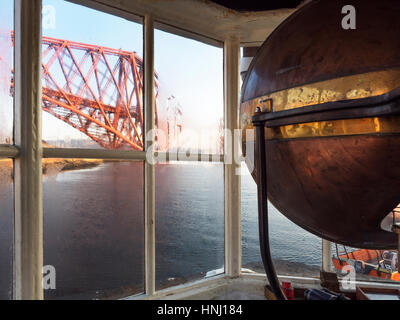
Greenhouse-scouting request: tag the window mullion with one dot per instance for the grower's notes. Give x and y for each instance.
(149, 170)
(326, 256)
(104, 154)
(7, 151)
(233, 235)
(28, 219)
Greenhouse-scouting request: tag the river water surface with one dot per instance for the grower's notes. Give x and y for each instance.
(94, 228)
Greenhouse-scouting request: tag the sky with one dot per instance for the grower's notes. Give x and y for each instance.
(189, 70)
(6, 101)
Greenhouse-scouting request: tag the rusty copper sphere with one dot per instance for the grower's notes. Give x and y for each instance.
(331, 97)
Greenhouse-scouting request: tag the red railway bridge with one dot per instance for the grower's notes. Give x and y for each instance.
(97, 90)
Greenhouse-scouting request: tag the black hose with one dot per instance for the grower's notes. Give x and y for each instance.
(263, 215)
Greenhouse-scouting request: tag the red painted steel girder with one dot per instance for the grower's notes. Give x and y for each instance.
(95, 89)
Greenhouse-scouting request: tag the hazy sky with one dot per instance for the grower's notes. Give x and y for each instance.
(6, 102)
(189, 70)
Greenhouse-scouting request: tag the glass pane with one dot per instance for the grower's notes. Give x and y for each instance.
(92, 80)
(189, 94)
(6, 228)
(366, 264)
(6, 71)
(189, 222)
(294, 251)
(94, 228)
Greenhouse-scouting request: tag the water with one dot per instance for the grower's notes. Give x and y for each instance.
(288, 241)
(189, 221)
(94, 228)
(6, 229)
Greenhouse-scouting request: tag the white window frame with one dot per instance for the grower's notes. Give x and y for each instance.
(28, 151)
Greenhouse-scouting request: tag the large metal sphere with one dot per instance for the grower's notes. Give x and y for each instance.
(339, 178)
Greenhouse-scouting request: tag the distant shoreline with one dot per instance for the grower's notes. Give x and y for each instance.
(53, 166)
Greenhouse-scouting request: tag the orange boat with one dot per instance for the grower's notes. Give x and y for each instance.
(376, 263)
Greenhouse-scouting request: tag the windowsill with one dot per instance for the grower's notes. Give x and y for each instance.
(249, 285)
(186, 289)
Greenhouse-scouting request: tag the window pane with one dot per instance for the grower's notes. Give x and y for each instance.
(6, 228)
(369, 265)
(189, 222)
(189, 94)
(94, 227)
(92, 80)
(366, 265)
(294, 251)
(6, 71)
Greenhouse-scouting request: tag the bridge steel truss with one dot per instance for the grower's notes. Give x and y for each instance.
(97, 90)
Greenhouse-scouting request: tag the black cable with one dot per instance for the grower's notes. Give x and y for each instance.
(263, 216)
